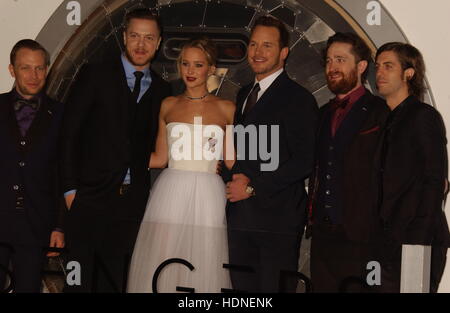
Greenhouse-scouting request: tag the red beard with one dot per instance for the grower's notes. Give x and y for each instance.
(343, 85)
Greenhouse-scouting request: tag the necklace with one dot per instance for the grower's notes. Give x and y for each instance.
(197, 98)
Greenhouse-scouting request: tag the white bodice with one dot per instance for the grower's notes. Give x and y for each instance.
(194, 147)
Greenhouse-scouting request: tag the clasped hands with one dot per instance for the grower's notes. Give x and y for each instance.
(236, 189)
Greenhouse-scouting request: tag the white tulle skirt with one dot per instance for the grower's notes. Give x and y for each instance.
(184, 219)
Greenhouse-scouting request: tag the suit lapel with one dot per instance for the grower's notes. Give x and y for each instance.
(40, 124)
(11, 120)
(238, 117)
(153, 92)
(357, 114)
(123, 99)
(266, 100)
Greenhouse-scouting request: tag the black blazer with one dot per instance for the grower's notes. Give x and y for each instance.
(31, 163)
(413, 158)
(279, 204)
(104, 134)
(359, 179)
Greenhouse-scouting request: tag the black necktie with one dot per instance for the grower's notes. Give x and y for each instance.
(251, 99)
(137, 86)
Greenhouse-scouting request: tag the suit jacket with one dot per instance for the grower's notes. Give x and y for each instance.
(413, 161)
(279, 203)
(105, 134)
(29, 168)
(358, 182)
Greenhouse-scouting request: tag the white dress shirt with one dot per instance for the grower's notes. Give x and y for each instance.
(264, 84)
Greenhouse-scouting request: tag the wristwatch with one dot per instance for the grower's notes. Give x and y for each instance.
(250, 190)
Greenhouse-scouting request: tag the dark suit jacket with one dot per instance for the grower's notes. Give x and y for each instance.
(279, 204)
(104, 134)
(359, 179)
(37, 178)
(415, 168)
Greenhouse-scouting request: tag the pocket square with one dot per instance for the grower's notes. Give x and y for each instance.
(368, 131)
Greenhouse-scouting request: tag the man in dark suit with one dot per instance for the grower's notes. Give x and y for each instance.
(109, 132)
(267, 198)
(30, 210)
(412, 164)
(342, 214)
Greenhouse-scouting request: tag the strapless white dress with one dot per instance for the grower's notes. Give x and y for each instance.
(185, 217)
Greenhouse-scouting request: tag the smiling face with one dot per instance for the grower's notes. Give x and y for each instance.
(141, 39)
(194, 67)
(391, 78)
(342, 71)
(30, 72)
(265, 55)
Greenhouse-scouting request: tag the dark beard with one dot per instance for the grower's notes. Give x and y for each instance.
(346, 84)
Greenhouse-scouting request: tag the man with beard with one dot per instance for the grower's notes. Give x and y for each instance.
(342, 217)
(109, 132)
(412, 165)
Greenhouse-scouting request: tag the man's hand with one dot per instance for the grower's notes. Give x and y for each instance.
(219, 168)
(236, 189)
(56, 241)
(69, 200)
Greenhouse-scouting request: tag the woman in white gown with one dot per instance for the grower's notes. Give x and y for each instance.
(185, 215)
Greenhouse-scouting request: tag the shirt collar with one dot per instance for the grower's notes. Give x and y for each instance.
(353, 96)
(129, 68)
(17, 96)
(402, 104)
(267, 81)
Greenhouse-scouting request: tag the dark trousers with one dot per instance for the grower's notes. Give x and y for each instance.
(391, 257)
(102, 243)
(337, 264)
(26, 264)
(268, 255)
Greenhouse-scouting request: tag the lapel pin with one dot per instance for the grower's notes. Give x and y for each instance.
(50, 112)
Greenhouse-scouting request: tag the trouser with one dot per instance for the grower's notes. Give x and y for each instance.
(26, 263)
(338, 264)
(102, 244)
(271, 259)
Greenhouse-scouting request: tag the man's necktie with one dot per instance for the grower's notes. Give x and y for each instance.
(20, 103)
(251, 99)
(339, 103)
(26, 111)
(137, 86)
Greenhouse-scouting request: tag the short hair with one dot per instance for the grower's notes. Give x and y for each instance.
(270, 21)
(360, 49)
(203, 43)
(409, 57)
(143, 14)
(28, 44)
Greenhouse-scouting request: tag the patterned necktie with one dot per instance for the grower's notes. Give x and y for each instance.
(20, 103)
(26, 111)
(137, 86)
(251, 99)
